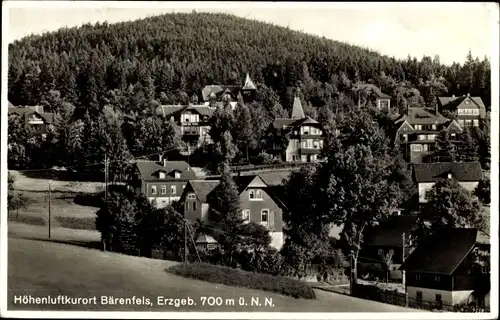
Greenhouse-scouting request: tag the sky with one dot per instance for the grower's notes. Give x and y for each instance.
(395, 29)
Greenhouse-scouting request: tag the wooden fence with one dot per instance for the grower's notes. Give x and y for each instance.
(402, 299)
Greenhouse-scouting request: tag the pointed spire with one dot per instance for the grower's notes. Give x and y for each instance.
(297, 110)
(249, 85)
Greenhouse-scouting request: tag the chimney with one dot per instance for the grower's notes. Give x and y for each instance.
(165, 162)
(160, 156)
(453, 96)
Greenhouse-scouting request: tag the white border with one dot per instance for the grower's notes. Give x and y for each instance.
(261, 315)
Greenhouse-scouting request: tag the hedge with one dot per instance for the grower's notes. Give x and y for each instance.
(245, 279)
(77, 223)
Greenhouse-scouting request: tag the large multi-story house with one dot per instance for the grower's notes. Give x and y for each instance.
(38, 122)
(418, 129)
(425, 175)
(470, 110)
(381, 100)
(231, 93)
(444, 270)
(193, 122)
(162, 183)
(258, 204)
(298, 138)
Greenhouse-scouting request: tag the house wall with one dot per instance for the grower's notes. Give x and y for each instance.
(429, 295)
(292, 150)
(191, 214)
(461, 296)
(429, 280)
(425, 186)
(179, 188)
(256, 206)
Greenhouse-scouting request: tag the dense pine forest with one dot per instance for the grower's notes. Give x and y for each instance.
(104, 83)
(169, 58)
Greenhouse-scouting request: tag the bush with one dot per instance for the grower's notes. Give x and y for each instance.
(77, 223)
(245, 279)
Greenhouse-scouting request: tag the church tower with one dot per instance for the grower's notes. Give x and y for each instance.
(249, 89)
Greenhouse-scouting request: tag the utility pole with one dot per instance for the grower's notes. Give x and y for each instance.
(185, 241)
(403, 273)
(49, 207)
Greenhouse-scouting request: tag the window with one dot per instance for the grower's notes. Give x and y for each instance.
(264, 214)
(431, 137)
(437, 278)
(258, 195)
(425, 147)
(417, 277)
(194, 206)
(177, 175)
(439, 298)
(163, 190)
(418, 127)
(380, 252)
(173, 190)
(191, 196)
(391, 252)
(162, 175)
(476, 123)
(183, 186)
(251, 195)
(421, 137)
(211, 246)
(245, 215)
(433, 127)
(419, 295)
(416, 147)
(404, 137)
(187, 206)
(153, 190)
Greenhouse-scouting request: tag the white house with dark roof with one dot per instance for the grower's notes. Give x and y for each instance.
(162, 183)
(382, 100)
(304, 136)
(467, 174)
(470, 110)
(443, 271)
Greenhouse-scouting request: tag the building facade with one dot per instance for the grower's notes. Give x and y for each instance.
(469, 110)
(39, 123)
(417, 131)
(381, 100)
(162, 183)
(257, 204)
(298, 138)
(442, 269)
(425, 175)
(230, 93)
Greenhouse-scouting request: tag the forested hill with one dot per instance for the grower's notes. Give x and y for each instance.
(168, 58)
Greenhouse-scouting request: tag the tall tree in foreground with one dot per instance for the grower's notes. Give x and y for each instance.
(356, 193)
(483, 191)
(448, 205)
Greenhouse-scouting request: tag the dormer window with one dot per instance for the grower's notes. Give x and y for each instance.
(251, 195)
(255, 195)
(162, 175)
(433, 127)
(177, 175)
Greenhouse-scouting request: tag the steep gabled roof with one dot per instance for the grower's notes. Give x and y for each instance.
(279, 123)
(442, 252)
(297, 110)
(206, 239)
(202, 188)
(243, 182)
(49, 117)
(389, 232)
(249, 85)
(148, 170)
(460, 171)
(218, 90)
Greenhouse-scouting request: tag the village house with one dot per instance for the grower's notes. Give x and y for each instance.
(445, 269)
(390, 237)
(417, 131)
(231, 93)
(425, 175)
(39, 122)
(162, 183)
(298, 138)
(257, 204)
(193, 122)
(381, 100)
(470, 110)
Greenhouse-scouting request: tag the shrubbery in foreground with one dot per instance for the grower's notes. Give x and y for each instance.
(240, 278)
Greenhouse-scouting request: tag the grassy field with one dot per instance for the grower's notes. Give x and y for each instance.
(42, 267)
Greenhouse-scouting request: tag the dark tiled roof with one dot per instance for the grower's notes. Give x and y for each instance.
(422, 116)
(218, 90)
(242, 182)
(461, 171)
(48, 117)
(149, 170)
(274, 178)
(374, 89)
(442, 252)
(202, 188)
(279, 123)
(20, 110)
(297, 110)
(174, 110)
(389, 233)
(205, 238)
